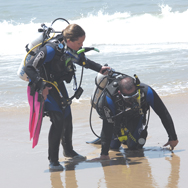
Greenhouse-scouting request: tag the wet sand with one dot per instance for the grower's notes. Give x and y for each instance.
(154, 166)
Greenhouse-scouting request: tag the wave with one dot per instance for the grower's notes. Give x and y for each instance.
(124, 28)
(107, 29)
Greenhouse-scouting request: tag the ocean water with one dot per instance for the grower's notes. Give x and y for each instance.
(147, 37)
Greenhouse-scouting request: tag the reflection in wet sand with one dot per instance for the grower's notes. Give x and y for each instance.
(56, 180)
(126, 169)
(69, 176)
(133, 170)
(173, 179)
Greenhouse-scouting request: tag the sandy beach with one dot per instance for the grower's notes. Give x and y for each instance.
(146, 38)
(154, 166)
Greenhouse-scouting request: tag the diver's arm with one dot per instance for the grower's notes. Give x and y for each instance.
(32, 66)
(92, 65)
(97, 67)
(106, 136)
(104, 70)
(172, 143)
(31, 72)
(161, 110)
(45, 92)
(87, 63)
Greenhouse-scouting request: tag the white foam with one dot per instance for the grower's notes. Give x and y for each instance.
(121, 29)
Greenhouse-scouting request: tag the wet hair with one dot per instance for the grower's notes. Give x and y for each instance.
(73, 32)
(127, 84)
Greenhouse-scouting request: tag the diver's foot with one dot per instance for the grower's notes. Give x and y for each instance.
(55, 166)
(72, 154)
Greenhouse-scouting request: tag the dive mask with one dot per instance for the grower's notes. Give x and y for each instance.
(130, 98)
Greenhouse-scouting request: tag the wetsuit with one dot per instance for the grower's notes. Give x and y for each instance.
(133, 120)
(55, 64)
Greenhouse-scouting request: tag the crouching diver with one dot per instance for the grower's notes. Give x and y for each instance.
(54, 63)
(123, 106)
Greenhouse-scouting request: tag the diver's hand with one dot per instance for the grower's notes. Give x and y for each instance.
(172, 143)
(45, 92)
(102, 157)
(104, 70)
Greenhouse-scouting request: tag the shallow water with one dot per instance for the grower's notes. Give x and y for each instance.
(148, 38)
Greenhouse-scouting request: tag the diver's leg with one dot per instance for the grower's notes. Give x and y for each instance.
(66, 133)
(66, 138)
(106, 137)
(54, 139)
(115, 143)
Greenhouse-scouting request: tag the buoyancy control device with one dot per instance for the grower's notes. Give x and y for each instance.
(101, 82)
(40, 38)
(109, 84)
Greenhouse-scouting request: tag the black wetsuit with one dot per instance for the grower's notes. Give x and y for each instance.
(54, 64)
(133, 120)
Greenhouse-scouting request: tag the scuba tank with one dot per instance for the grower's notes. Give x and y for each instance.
(39, 39)
(100, 82)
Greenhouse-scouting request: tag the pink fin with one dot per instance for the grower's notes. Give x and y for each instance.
(32, 112)
(36, 116)
(38, 119)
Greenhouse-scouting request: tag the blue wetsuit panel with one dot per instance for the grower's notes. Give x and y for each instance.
(110, 104)
(51, 105)
(115, 144)
(150, 97)
(50, 54)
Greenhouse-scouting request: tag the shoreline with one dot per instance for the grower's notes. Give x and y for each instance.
(83, 102)
(20, 162)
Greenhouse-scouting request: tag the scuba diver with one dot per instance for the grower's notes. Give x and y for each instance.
(54, 63)
(124, 108)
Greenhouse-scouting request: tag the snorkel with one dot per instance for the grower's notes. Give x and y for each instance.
(139, 94)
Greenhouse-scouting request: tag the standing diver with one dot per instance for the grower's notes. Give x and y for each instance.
(54, 63)
(123, 106)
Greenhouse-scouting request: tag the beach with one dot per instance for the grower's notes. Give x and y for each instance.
(154, 166)
(146, 38)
